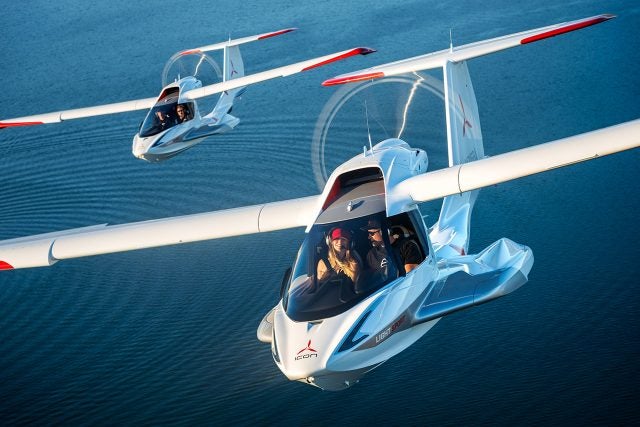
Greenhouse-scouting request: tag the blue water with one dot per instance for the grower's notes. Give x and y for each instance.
(167, 335)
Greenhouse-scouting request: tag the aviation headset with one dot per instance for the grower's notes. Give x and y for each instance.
(328, 239)
(396, 232)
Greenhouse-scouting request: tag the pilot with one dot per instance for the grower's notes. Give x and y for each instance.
(164, 121)
(377, 257)
(341, 262)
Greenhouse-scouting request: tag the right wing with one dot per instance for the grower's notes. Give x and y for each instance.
(46, 249)
(519, 163)
(284, 71)
(468, 51)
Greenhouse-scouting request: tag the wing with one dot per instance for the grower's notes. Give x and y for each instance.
(79, 113)
(47, 249)
(519, 163)
(235, 42)
(284, 71)
(468, 51)
(143, 104)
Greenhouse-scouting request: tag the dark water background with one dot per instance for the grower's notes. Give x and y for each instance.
(167, 335)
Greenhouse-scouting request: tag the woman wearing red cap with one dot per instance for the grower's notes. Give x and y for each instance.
(341, 260)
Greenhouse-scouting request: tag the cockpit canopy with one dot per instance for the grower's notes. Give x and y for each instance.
(322, 285)
(165, 113)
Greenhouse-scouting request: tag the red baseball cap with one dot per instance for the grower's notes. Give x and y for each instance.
(340, 232)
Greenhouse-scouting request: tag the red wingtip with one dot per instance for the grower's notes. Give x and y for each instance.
(13, 124)
(352, 52)
(5, 266)
(577, 26)
(276, 33)
(352, 79)
(190, 51)
(366, 50)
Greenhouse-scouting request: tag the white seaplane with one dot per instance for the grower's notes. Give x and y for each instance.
(174, 123)
(340, 315)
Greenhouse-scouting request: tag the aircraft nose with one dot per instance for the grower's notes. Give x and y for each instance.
(334, 381)
(139, 147)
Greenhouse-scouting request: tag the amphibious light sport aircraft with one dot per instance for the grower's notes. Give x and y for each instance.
(340, 314)
(174, 123)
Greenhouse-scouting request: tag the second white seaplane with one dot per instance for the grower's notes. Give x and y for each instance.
(174, 123)
(370, 277)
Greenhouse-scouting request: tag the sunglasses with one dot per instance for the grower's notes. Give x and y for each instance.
(371, 233)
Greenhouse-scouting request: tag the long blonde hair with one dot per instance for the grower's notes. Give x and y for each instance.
(349, 264)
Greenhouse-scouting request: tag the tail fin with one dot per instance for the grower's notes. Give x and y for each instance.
(464, 140)
(233, 69)
(233, 64)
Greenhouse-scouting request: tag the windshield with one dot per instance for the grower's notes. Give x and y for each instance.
(338, 265)
(166, 114)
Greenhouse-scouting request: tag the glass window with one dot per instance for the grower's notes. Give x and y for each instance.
(166, 113)
(327, 280)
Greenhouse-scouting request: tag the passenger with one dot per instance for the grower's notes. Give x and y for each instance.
(341, 262)
(182, 113)
(407, 248)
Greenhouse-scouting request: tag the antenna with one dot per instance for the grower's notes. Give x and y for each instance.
(366, 113)
(450, 39)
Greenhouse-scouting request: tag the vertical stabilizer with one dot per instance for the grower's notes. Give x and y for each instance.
(464, 143)
(233, 69)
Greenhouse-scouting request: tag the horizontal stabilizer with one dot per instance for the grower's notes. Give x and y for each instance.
(46, 249)
(236, 42)
(519, 163)
(468, 51)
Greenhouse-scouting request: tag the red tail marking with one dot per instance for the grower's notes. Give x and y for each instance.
(466, 121)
